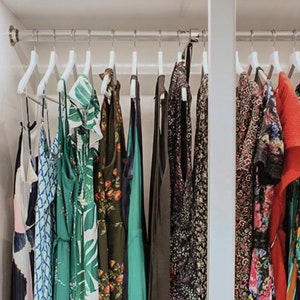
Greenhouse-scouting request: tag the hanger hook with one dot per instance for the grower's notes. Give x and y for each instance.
(73, 31)
(112, 38)
(178, 38)
(159, 39)
(54, 39)
(274, 38)
(204, 34)
(33, 33)
(251, 39)
(294, 38)
(89, 38)
(134, 39)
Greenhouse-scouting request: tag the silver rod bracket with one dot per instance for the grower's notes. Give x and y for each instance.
(13, 35)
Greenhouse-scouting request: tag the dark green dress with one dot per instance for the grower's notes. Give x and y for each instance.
(108, 194)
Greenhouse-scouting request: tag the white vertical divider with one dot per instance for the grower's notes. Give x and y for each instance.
(221, 143)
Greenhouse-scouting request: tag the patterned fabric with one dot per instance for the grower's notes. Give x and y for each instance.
(66, 195)
(25, 194)
(183, 283)
(44, 225)
(108, 194)
(83, 120)
(248, 124)
(200, 177)
(159, 206)
(269, 164)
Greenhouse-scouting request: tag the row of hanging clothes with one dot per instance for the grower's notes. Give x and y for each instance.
(80, 228)
(267, 181)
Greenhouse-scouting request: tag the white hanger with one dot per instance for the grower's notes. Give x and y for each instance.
(88, 71)
(52, 67)
(71, 66)
(252, 58)
(204, 54)
(179, 53)
(111, 65)
(274, 59)
(294, 58)
(238, 67)
(133, 72)
(33, 64)
(160, 57)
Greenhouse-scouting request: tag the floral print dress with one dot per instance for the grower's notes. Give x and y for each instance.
(269, 165)
(183, 285)
(249, 110)
(200, 183)
(108, 170)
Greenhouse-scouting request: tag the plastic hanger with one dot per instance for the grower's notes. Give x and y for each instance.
(160, 57)
(133, 70)
(294, 58)
(71, 67)
(179, 53)
(238, 68)
(274, 59)
(252, 58)
(33, 64)
(88, 71)
(52, 67)
(111, 65)
(204, 54)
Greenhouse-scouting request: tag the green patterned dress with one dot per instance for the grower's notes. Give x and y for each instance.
(84, 119)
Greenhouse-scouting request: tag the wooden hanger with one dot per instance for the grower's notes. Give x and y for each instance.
(274, 59)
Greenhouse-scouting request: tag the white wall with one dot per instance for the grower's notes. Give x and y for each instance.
(10, 62)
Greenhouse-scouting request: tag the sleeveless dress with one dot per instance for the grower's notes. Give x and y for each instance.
(108, 170)
(25, 195)
(133, 197)
(44, 215)
(183, 285)
(159, 207)
(84, 121)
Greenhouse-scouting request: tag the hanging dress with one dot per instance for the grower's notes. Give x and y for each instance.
(133, 197)
(108, 194)
(288, 108)
(183, 275)
(84, 121)
(44, 215)
(25, 195)
(200, 183)
(159, 207)
(249, 110)
(268, 162)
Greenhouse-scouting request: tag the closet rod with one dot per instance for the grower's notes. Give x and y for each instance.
(51, 35)
(48, 35)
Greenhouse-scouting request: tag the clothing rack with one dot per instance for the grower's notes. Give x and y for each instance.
(194, 35)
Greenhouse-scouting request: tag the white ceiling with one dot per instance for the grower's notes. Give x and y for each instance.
(150, 15)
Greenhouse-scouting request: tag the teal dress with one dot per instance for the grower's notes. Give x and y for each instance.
(133, 183)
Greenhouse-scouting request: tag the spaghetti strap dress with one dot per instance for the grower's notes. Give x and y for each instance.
(25, 195)
(183, 275)
(108, 170)
(159, 199)
(44, 215)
